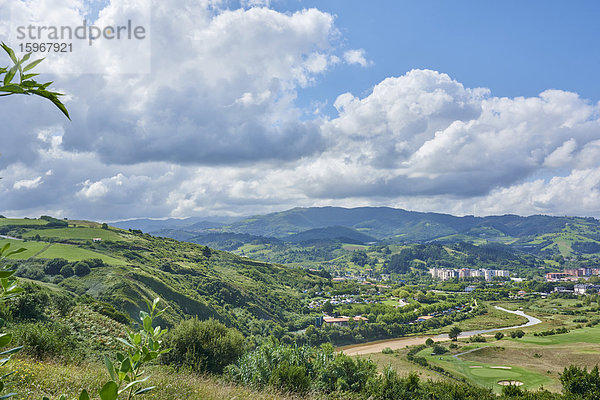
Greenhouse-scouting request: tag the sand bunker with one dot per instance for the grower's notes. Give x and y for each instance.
(507, 383)
(500, 367)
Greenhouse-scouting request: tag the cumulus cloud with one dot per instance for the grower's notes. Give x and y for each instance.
(356, 56)
(214, 129)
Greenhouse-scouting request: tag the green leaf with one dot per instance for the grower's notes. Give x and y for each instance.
(110, 367)
(29, 76)
(5, 339)
(12, 88)
(148, 324)
(6, 273)
(4, 248)
(32, 65)
(144, 390)
(125, 365)
(109, 391)
(84, 395)
(134, 383)
(125, 342)
(10, 75)
(11, 351)
(22, 249)
(10, 52)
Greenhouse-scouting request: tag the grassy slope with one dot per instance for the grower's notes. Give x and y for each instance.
(34, 379)
(192, 280)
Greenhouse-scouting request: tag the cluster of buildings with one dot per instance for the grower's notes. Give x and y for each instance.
(462, 273)
(341, 299)
(572, 274)
(579, 289)
(339, 321)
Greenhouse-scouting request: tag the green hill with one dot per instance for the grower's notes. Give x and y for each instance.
(194, 280)
(536, 234)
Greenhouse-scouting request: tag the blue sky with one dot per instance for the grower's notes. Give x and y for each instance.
(515, 48)
(253, 106)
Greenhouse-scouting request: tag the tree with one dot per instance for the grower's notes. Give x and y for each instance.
(8, 289)
(454, 332)
(81, 268)
(67, 271)
(205, 346)
(580, 383)
(429, 342)
(53, 266)
(26, 84)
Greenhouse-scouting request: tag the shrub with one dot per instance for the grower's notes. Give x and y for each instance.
(53, 266)
(517, 334)
(291, 378)
(81, 268)
(44, 339)
(387, 350)
(67, 271)
(206, 346)
(30, 305)
(439, 349)
(499, 335)
(429, 342)
(477, 338)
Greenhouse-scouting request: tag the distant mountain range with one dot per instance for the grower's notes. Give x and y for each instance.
(535, 234)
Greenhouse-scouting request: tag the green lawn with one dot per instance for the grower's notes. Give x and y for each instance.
(57, 250)
(488, 374)
(583, 335)
(74, 253)
(74, 233)
(22, 221)
(32, 247)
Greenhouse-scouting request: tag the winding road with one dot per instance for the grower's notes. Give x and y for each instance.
(394, 344)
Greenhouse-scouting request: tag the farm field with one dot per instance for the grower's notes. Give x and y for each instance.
(75, 233)
(56, 250)
(22, 222)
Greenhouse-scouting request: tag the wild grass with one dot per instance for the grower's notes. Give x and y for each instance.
(34, 379)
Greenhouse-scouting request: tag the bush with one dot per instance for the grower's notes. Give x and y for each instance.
(499, 335)
(67, 271)
(44, 339)
(291, 378)
(517, 334)
(81, 268)
(206, 346)
(477, 338)
(429, 342)
(439, 349)
(387, 350)
(30, 305)
(53, 266)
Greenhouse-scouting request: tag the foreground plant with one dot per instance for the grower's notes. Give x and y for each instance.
(26, 84)
(126, 373)
(8, 289)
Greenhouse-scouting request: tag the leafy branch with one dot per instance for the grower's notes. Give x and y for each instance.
(126, 373)
(8, 289)
(26, 84)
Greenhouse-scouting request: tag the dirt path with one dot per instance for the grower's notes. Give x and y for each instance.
(395, 344)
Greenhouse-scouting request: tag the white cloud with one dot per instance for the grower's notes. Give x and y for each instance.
(356, 56)
(28, 183)
(214, 129)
